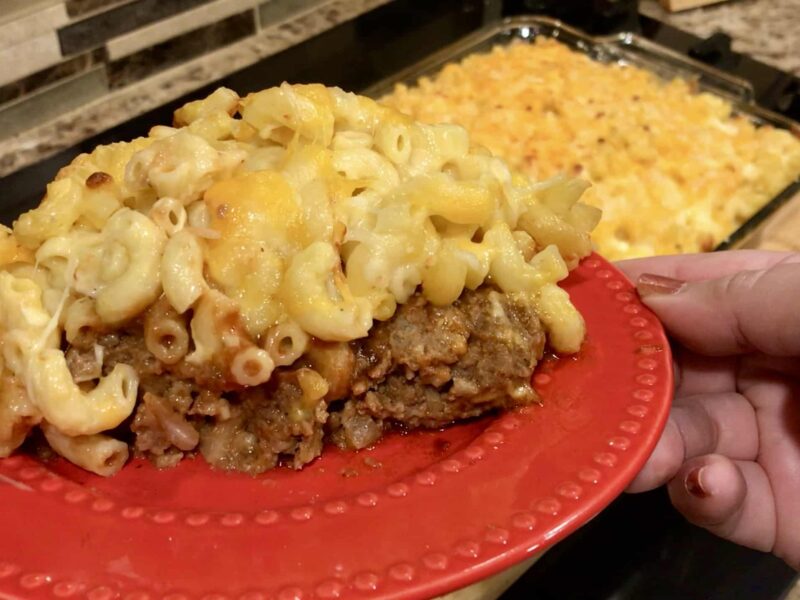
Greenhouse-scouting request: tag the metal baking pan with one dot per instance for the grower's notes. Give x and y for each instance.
(623, 48)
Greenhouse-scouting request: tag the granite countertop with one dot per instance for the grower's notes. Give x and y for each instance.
(767, 30)
(73, 127)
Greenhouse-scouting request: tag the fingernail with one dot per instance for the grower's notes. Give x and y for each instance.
(649, 284)
(694, 483)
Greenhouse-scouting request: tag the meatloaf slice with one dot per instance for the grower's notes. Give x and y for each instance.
(269, 424)
(427, 366)
(430, 366)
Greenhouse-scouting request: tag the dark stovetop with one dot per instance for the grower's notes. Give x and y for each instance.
(639, 548)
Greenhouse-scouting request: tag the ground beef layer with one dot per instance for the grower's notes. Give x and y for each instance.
(426, 367)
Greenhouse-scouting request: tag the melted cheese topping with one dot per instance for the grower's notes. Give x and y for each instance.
(297, 211)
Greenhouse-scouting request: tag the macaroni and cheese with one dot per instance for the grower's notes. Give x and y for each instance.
(263, 275)
(673, 171)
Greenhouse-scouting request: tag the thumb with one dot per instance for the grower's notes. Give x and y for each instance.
(743, 312)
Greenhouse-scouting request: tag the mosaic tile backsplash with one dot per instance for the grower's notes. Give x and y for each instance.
(57, 55)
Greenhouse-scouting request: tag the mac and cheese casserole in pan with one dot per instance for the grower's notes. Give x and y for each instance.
(298, 266)
(673, 170)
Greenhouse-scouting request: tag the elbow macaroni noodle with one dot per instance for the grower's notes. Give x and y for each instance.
(236, 239)
(98, 453)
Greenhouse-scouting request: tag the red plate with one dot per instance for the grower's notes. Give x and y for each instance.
(417, 516)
